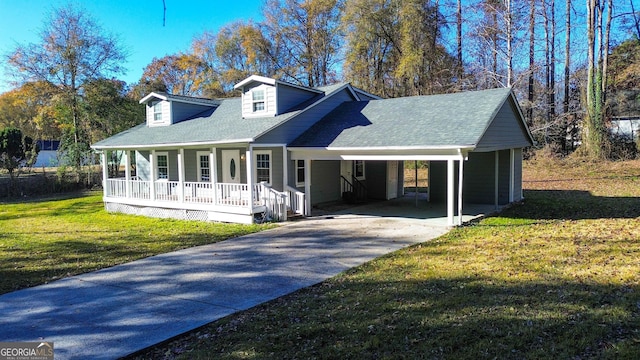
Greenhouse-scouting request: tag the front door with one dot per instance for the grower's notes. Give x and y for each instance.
(231, 166)
(392, 179)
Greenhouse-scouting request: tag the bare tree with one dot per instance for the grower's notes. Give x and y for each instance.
(594, 131)
(72, 51)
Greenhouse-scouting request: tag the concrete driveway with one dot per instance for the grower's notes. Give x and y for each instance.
(117, 311)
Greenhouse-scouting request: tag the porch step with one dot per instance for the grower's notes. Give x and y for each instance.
(291, 216)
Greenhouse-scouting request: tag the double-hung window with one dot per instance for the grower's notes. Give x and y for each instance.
(299, 172)
(263, 166)
(204, 166)
(162, 166)
(157, 111)
(257, 99)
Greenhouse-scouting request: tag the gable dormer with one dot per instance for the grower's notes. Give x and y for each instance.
(266, 97)
(164, 109)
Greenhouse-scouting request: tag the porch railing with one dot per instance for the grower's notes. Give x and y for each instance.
(199, 192)
(167, 190)
(236, 194)
(225, 194)
(116, 187)
(275, 203)
(296, 201)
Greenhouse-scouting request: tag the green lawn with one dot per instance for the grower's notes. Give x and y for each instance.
(45, 240)
(557, 277)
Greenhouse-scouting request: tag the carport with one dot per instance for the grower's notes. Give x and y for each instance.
(472, 141)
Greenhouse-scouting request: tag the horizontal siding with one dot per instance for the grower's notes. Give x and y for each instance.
(438, 181)
(289, 131)
(276, 165)
(325, 181)
(173, 165)
(289, 97)
(517, 188)
(377, 179)
(143, 166)
(270, 100)
(505, 132)
(166, 114)
(183, 111)
(191, 163)
(504, 176)
(478, 182)
(149, 112)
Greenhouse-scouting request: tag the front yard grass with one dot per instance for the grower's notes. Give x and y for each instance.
(556, 277)
(45, 240)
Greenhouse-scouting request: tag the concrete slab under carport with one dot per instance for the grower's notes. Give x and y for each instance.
(409, 208)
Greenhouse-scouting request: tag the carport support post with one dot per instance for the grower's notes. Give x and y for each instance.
(460, 191)
(496, 176)
(416, 194)
(307, 187)
(450, 192)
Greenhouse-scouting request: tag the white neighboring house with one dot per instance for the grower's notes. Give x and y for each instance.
(48, 155)
(280, 149)
(626, 126)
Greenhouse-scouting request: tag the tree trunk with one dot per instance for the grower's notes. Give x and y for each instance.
(567, 72)
(547, 69)
(459, 39)
(532, 43)
(594, 130)
(509, 25)
(552, 64)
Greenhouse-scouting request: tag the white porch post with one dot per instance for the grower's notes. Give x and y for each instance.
(307, 187)
(180, 157)
(512, 179)
(127, 172)
(213, 158)
(450, 191)
(105, 173)
(249, 156)
(285, 169)
(460, 172)
(429, 181)
(152, 165)
(496, 175)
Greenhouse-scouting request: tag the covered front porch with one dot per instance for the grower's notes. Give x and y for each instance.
(210, 184)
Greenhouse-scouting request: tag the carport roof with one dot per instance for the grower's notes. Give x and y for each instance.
(434, 121)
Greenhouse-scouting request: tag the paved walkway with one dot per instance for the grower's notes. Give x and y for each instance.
(116, 311)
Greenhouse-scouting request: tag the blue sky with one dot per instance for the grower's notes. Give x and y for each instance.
(137, 23)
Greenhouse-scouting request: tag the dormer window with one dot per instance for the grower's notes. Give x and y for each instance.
(157, 111)
(257, 98)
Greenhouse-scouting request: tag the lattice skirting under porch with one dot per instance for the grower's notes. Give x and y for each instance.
(179, 214)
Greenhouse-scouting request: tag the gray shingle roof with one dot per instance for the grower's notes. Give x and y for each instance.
(421, 121)
(223, 124)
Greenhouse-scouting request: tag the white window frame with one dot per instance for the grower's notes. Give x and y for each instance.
(200, 154)
(255, 164)
(258, 101)
(157, 162)
(156, 108)
(299, 166)
(355, 168)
